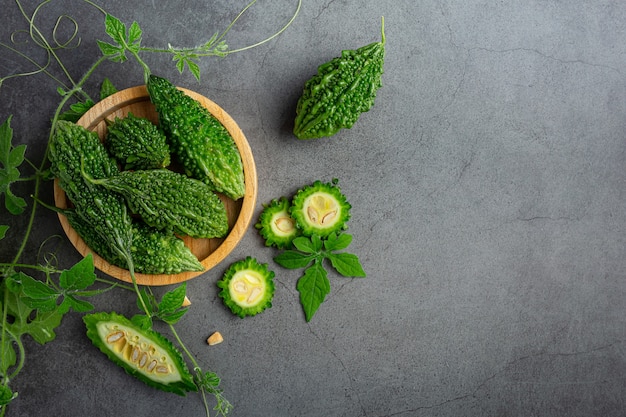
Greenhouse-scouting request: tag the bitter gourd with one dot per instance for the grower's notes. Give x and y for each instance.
(276, 225)
(137, 143)
(154, 251)
(320, 209)
(342, 89)
(204, 147)
(247, 287)
(144, 354)
(169, 200)
(74, 150)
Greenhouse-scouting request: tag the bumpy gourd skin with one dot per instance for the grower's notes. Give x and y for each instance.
(276, 225)
(74, 150)
(144, 354)
(137, 143)
(201, 143)
(169, 200)
(342, 89)
(153, 251)
(247, 287)
(320, 209)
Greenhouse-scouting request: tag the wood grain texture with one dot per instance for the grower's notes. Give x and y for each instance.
(210, 252)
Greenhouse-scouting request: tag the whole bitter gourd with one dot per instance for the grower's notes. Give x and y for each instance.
(342, 89)
(247, 287)
(74, 150)
(320, 209)
(276, 225)
(169, 200)
(154, 251)
(137, 143)
(142, 353)
(203, 146)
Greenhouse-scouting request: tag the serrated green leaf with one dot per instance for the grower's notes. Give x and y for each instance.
(6, 395)
(313, 287)
(173, 300)
(142, 321)
(10, 159)
(79, 276)
(41, 328)
(305, 244)
(173, 317)
(194, 68)
(134, 35)
(337, 242)
(107, 89)
(292, 259)
(80, 306)
(346, 264)
(36, 289)
(9, 357)
(115, 29)
(13, 203)
(148, 300)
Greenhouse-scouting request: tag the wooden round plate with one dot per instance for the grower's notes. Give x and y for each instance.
(210, 252)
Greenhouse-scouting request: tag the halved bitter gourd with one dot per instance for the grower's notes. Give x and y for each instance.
(144, 354)
(320, 209)
(276, 225)
(247, 287)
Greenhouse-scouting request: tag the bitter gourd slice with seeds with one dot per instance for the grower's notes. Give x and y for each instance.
(137, 143)
(276, 225)
(320, 209)
(342, 89)
(142, 353)
(204, 147)
(247, 287)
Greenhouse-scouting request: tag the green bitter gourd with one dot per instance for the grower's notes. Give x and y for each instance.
(73, 151)
(247, 287)
(342, 89)
(320, 209)
(204, 147)
(142, 353)
(154, 251)
(276, 225)
(137, 143)
(171, 201)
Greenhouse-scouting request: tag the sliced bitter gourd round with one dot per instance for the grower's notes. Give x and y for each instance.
(276, 225)
(247, 287)
(144, 354)
(320, 209)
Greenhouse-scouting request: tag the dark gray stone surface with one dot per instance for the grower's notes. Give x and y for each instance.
(488, 187)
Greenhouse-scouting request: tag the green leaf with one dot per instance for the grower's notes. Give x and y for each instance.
(3, 230)
(80, 306)
(41, 328)
(10, 160)
(292, 259)
(79, 276)
(114, 53)
(134, 35)
(9, 357)
(6, 395)
(337, 242)
(115, 29)
(313, 287)
(142, 321)
(308, 245)
(173, 317)
(346, 264)
(107, 89)
(76, 111)
(173, 300)
(194, 68)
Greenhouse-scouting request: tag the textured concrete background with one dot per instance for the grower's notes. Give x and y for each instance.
(488, 191)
